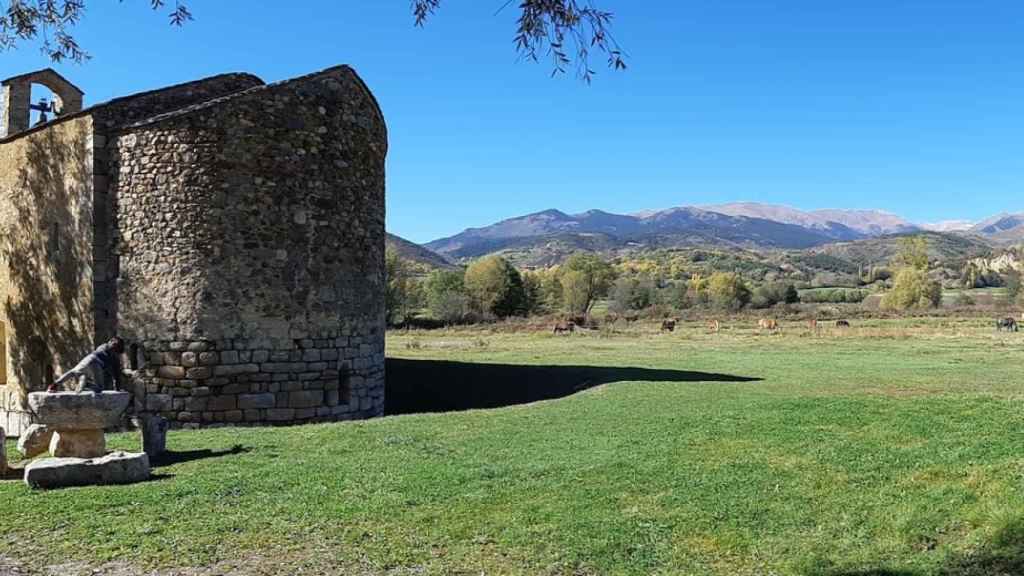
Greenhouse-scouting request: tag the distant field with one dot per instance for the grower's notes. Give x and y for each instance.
(892, 448)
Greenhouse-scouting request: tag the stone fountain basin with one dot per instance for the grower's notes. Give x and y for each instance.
(79, 410)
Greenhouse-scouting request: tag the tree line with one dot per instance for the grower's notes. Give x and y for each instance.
(493, 288)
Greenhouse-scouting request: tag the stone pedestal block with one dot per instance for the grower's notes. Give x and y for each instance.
(79, 410)
(78, 444)
(35, 440)
(115, 468)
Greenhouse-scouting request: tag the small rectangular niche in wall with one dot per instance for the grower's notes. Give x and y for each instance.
(136, 357)
(344, 385)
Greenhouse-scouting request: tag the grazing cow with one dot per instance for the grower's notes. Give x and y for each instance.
(668, 325)
(1008, 324)
(567, 327)
(714, 325)
(842, 324)
(768, 324)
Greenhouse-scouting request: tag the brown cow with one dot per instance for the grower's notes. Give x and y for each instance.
(768, 324)
(568, 327)
(668, 325)
(714, 325)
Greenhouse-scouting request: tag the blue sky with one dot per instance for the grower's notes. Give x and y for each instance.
(913, 107)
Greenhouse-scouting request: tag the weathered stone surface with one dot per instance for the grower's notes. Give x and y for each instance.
(115, 468)
(305, 399)
(35, 440)
(250, 401)
(78, 444)
(171, 372)
(233, 369)
(158, 402)
(79, 411)
(233, 242)
(154, 434)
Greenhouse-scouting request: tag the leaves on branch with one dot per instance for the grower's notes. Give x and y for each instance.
(51, 21)
(566, 31)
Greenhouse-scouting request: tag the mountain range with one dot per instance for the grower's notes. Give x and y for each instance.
(553, 233)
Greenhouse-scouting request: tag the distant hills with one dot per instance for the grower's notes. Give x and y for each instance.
(1002, 228)
(418, 254)
(548, 235)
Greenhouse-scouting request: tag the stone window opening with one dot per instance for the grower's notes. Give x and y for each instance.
(344, 385)
(136, 354)
(45, 105)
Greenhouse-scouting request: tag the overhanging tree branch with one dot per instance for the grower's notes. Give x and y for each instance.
(565, 31)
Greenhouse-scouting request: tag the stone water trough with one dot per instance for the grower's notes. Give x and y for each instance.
(71, 424)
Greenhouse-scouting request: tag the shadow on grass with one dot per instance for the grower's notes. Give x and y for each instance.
(1003, 555)
(171, 457)
(416, 386)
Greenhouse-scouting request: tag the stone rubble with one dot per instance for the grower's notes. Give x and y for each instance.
(35, 440)
(114, 468)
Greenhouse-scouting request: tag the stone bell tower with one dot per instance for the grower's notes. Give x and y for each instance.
(17, 99)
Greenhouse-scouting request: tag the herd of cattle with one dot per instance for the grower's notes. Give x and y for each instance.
(769, 324)
(764, 324)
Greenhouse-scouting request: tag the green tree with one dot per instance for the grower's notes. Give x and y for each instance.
(574, 292)
(1012, 282)
(727, 291)
(566, 31)
(446, 296)
(551, 288)
(632, 294)
(697, 290)
(401, 294)
(913, 253)
(912, 289)
(495, 287)
(533, 293)
(589, 278)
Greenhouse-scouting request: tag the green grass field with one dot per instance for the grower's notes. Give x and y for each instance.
(894, 448)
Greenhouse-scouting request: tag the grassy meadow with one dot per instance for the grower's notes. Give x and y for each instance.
(892, 448)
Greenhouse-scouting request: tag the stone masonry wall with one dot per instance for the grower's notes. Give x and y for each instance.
(57, 256)
(249, 240)
(109, 121)
(46, 225)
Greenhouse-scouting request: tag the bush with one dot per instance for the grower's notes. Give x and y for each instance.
(768, 295)
(834, 295)
(963, 299)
